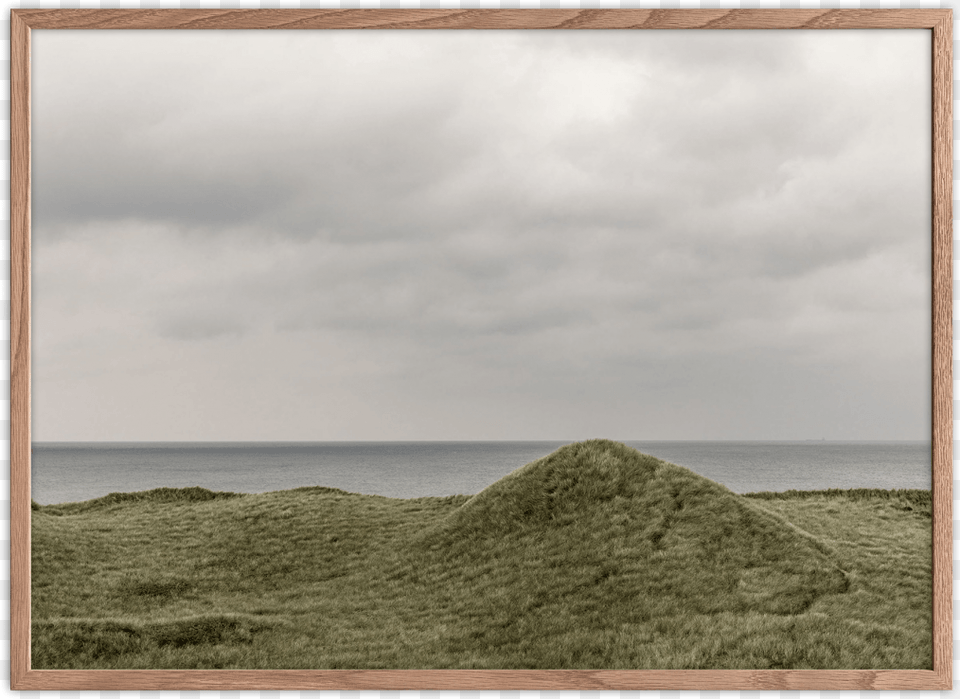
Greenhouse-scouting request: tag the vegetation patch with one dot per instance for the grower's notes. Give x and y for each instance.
(86, 642)
(195, 631)
(100, 643)
(163, 587)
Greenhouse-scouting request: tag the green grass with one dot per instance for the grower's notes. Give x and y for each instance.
(595, 556)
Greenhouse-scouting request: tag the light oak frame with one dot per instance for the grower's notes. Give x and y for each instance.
(22, 677)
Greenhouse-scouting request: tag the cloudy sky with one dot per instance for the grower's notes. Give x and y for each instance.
(481, 235)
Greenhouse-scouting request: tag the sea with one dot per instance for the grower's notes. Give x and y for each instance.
(72, 472)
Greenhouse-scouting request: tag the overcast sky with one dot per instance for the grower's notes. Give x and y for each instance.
(481, 235)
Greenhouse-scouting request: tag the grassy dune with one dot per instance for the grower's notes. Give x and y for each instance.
(595, 556)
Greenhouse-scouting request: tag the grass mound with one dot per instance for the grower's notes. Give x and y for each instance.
(597, 532)
(157, 495)
(905, 500)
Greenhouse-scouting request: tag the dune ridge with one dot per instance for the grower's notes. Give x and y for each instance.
(594, 556)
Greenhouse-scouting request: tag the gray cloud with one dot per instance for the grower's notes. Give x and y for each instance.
(198, 327)
(483, 235)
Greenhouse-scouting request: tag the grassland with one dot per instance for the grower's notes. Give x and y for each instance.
(595, 556)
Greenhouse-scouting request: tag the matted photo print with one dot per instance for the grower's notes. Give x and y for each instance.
(593, 350)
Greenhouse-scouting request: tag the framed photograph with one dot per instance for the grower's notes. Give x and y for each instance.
(481, 349)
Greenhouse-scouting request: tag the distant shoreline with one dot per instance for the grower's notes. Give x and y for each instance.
(65, 472)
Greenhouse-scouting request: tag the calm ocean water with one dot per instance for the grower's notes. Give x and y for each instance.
(69, 472)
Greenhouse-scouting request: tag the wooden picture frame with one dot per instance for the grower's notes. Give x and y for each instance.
(937, 21)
